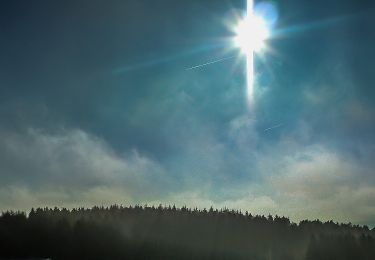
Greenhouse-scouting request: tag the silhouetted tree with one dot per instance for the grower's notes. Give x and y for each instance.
(168, 232)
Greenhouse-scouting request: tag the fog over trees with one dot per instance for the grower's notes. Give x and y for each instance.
(167, 232)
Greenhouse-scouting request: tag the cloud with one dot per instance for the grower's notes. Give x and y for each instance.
(296, 176)
(293, 176)
(315, 181)
(310, 183)
(73, 167)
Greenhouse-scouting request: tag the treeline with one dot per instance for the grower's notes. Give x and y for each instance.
(176, 233)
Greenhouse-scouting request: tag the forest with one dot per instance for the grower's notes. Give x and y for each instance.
(167, 232)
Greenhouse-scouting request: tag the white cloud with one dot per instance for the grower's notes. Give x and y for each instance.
(72, 168)
(315, 182)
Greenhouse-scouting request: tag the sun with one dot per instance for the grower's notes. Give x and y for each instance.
(251, 34)
(250, 37)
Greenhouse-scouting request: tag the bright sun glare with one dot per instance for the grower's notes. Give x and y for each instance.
(251, 34)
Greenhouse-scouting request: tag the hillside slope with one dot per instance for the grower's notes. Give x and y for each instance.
(176, 233)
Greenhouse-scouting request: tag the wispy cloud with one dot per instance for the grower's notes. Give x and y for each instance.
(72, 168)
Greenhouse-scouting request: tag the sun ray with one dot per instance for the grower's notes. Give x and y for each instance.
(252, 32)
(250, 63)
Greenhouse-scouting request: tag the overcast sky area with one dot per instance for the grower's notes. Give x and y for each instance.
(97, 106)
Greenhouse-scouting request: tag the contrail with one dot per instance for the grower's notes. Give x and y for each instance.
(209, 63)
(272, 127)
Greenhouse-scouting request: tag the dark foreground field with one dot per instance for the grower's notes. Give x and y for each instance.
(172, 233)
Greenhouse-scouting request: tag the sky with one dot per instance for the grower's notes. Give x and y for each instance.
(98, 106)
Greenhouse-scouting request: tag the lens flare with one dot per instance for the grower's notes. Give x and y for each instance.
(251, 34)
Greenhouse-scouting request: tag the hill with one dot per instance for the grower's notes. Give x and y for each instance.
(176, 233)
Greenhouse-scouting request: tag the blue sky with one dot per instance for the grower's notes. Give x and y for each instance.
(97, 107)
